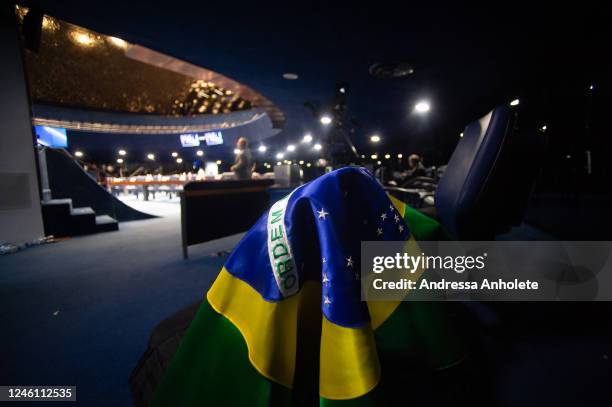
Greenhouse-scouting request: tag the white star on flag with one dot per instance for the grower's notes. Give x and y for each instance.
(397, 218)
(325, 279)
(383, 216)
(379, 231)
(322, 214)
(326, 300)
(391, 207)
(349, 261)
(357, 276)
(401, 228)
(323, 260)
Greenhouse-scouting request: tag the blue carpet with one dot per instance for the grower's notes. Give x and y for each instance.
(79, 312)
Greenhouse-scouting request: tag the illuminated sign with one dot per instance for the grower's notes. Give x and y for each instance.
(190, 140)
(212, 138)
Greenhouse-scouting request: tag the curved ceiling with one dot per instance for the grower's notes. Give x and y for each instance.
(79, 68)
(466, 57)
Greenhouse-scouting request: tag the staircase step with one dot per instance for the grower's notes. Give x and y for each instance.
(105, 223)
(83, 221)
(56, 217)
(86, 210)
(66, 201)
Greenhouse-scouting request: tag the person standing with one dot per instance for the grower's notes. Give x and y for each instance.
(245, 165)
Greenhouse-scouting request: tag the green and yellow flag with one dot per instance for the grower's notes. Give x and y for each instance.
(284, 324)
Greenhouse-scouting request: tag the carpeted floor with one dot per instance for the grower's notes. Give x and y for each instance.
(79, 312)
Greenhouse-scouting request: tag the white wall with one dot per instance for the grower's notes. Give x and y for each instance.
(20, 213)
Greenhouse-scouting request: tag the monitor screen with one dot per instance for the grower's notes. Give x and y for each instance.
(51, 136)
(189, 140)
(213, 138)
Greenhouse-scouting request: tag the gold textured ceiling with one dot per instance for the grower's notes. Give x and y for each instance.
(80, 68)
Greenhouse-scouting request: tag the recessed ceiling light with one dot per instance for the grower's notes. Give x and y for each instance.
(290, 76)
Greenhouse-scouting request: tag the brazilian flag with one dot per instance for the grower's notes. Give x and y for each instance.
(284, 324)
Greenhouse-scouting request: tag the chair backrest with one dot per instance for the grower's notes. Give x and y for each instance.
(487, 182)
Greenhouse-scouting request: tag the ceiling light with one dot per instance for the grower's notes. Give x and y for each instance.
(218, 162)
(78, 154)
(326, 119)
(317, 147)
(290, 76)
(279, 163)
(460, 134)
(515, 102)
(387, 156)
(342, 90)
(378, 162)
(374, 156)
(308, 165)
(119, 160)
(301, 162)
(422, 107)
(262, 148)
(279, 156)
(83, 38)
(375, 138)
(118, 42)
(290, 147)
(179, 160)
(151, 156)
(400, 155)
(175, 154)
(307, 138)
(199, 153)
(122, 152)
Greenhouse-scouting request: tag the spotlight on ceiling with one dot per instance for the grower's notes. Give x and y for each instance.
(374, 156)
(119, 160)
(342, 90)
(400, 155)
(179, 160)
(83, 38)
(199, 153)
(262, 148)
(543, 128)
(290, 76)
(461, 135)
(279, 156)
(326, 120)
(218, 162)
(591, 87)
(422, 107)
(174, 154)
(375, 138)
(307, 138)
(515, 102)
(290, 147)
(118, 42)
(151, 156)
(387, 156)
(317, 147)
(122, 152)
(78, 154)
